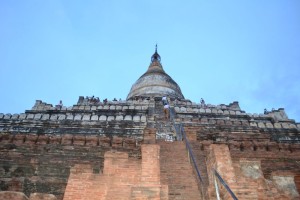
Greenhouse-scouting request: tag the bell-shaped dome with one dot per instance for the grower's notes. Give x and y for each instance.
(155, 82)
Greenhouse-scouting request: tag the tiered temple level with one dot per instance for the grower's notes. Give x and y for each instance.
(130, 150)
(42, 145)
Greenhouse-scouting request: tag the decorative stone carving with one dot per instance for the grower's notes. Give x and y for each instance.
(16, 116)
(77, 117)
(128, 118)
(277, 125)
(269, 125)
(136, 118)
(143, 118)
(37, 116)
(44, 117)
(261, 125)
(61, 117)
(95, 118)
(7, 116)
(86, 117)
(53, 117)
(207, 110)
(110, 118)
(102, 118)
(70, 117)
(119, 118)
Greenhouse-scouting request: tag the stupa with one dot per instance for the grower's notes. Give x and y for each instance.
(155, 82)
(129, 150)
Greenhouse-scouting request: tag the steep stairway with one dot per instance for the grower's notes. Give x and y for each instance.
(164, 127)
(177, 172)
(175, 168)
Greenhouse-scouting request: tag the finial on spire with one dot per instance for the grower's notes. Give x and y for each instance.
(155, 56)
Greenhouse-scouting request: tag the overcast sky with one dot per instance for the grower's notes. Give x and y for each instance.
(222, 51)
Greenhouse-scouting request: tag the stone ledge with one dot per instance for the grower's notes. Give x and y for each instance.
(8, 141)
(10, 195)
(74, 117)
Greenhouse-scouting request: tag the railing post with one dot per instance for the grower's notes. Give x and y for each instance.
(217, 188)
(189, 150)
(188, 154)
(224, 184)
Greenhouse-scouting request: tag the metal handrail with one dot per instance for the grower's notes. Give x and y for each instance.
(225, 184)
(187, 145)
(191, 153)
(172, 118)
(193, 159)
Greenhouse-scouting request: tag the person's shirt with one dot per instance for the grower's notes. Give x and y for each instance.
(166, 106)
(164, 100)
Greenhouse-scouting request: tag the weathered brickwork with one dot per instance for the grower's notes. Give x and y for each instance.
(42, 163)
(263, 166)
(245, 178)
(122, 178)
(128, 150)
(177, 172)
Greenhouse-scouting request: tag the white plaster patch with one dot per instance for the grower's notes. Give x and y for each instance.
(137, 118)
(119, 118)
(287, 184)
(70, 117)
(128, 118)
(61, 117)
(251, 169)
(94, 117)
(102, 118)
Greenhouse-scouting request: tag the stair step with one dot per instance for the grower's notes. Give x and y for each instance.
(177, 172)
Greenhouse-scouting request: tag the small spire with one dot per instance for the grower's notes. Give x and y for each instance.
(155, 56)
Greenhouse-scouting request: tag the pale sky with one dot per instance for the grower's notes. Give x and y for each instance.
(222, 51)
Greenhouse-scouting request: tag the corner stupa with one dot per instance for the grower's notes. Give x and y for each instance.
(155, 82)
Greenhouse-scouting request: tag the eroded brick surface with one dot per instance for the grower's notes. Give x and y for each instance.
(122, 178)
(102, 143)
(177, 172)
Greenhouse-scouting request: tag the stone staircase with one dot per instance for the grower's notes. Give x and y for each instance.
(164, 127)
(177, 172)
(175, 169)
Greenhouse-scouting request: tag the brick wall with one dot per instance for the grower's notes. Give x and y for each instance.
(297, 182)
(219, 159)
(41, 163)
(246, 179)
(249, 147)
(122, 178)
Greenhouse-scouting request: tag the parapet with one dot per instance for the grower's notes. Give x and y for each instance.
(278, 115)
(39, 105)
(232, 116)
(96, 101)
